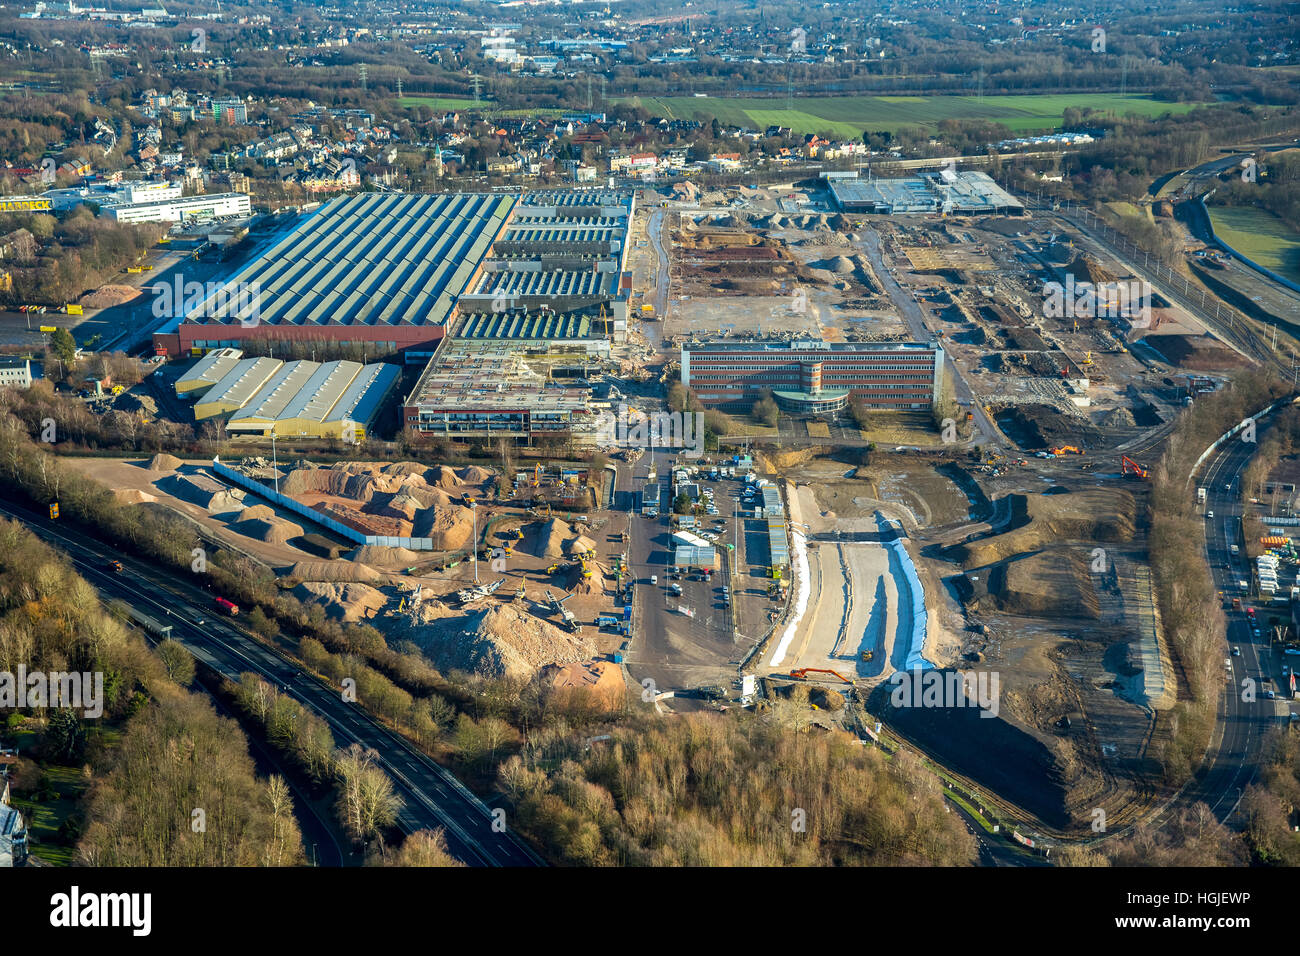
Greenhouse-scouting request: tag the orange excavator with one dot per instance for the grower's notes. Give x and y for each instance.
(803, 672)
(1132, 470)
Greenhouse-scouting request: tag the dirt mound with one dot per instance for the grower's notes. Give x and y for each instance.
(205, 492)
(450, 528)
(107, 296)
(475, 475)
(131, 496)
(376, 554)
(342, 602)
(258, 512)
(580, 545)
(1095, 514)
(588, 585)
(333, 571)
(1052, 583)
(550, 539)
(443, 477)
(337, 481)
(1118, 418)
(600, 679)
(163, 462)
(498, 641)
(841, 265)
(270, 530)
(402, 506)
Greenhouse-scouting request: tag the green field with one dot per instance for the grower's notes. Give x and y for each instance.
(848, 116)
(1260, 236)
(439, 102)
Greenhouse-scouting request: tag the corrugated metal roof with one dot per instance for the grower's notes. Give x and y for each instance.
(361, 401)
(270, 401)
(243, 381)
(212, 367)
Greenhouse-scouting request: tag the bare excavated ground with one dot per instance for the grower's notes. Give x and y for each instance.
(1030, 605)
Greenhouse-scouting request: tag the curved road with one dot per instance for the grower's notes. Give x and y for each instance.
(432, 796)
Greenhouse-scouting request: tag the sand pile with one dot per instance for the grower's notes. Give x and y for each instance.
(550, 539)
(338, 481)
(580, 545)
(402, 506)
(258, 512)
(476, 475)
(840, 265)
(450, 528)
(163, 462)
(107, 296)
(497, 641)
(132, 496)
(376, 554)
(592, 585)
(271, 530)
(342, 602)
(1119, 418)
(601, 679)
(205, 492)
(443, 477)
(334, 571)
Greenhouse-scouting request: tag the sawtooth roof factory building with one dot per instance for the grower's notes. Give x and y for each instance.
(396, 272)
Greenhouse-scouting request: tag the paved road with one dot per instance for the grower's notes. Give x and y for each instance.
(910, 310)
(1235, 749)
(433, 797)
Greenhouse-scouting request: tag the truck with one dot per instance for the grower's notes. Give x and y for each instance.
(1236, 604)
(228, 607)
(1200, 496)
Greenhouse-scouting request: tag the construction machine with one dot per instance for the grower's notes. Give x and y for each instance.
(803, 672)
(1066, 450)
(1132, 470)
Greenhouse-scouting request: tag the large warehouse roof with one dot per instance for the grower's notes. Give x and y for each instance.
(269, 403)
(370, 260)
(241, 383)
(208, 371)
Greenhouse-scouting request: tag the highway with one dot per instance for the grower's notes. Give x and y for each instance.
(432, 796)
(1233, 758)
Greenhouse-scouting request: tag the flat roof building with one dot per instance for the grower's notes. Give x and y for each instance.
(814, 377)
(467, 392)
(961, 193)
(208, 206)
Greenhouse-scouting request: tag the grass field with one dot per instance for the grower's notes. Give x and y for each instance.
(848, 116)
(437, 102)
(1260, 236)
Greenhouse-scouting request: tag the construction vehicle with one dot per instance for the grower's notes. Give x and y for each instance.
(537, 476)
(552, 569)
(567, 616)
(1066, 450)
(469, 595)
(1132, 470)
(803, 672)
(867, 655)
